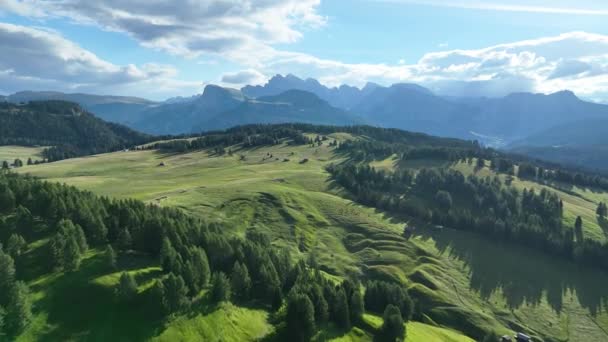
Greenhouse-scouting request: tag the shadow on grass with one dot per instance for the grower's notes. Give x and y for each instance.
(524, 275)
(79, 309)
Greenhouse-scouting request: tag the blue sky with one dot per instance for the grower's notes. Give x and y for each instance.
(160, 49)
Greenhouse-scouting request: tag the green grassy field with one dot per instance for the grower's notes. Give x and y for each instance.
(473, 284)
(10, 153)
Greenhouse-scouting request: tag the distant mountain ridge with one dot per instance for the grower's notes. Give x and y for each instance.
(497, 122)
(120, 109)
(344, 97)
(189, 116)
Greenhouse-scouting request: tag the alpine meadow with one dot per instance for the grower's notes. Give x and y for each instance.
(287, 170)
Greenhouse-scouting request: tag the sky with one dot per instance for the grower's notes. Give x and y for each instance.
(159, 49)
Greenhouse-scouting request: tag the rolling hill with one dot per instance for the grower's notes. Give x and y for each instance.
(65, 126)
(466, 284)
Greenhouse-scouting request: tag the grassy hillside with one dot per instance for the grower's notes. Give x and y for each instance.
(10, 153)
(472, 284)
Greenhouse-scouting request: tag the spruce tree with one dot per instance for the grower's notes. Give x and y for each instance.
(300, 317)
(125, 242)
(7, 199)
(578, 229)
(220, 289)
(71, 255)
(341, 312)
(175, 293)
(127, 287)
(240, 281)
(168, 256)
(190, 278)
(19, 312)
(110, 257)
(15, 245)
(7, 276)
(602, 210)
(356, 306)
(393, 328)
(2, 320)
(201, 266)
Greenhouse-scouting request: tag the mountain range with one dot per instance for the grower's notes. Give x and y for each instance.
(516, 121)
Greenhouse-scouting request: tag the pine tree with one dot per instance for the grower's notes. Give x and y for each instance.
(56, 249)
(110, 257)
(29, 161)
(393, 328)
(220, 289)
(175, 293)
(240, 281)
(190, 278)
(5, 165)
(24, 219)
(356, 306)
(127, 287)
(300, 317)
(7, 276)
(578, 229)
(15, 245)
(168, 256)
(602, 210)
(201, 266)
(7, 199)
(2, 320)
(19, 312)
(80, 239)
(159, 294)
(341, 314)
(125, 242)
(71, 255)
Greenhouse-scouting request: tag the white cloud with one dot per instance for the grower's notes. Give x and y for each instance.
(37, 59)
(187, 27)
(244, 77)
(542, 65)
(562, 7)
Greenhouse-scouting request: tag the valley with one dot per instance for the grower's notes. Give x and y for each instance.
(471, 285)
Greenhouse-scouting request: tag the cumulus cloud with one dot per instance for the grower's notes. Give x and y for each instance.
(577, 61)
(186, 27)
(565, 7)
(38, 59)
(244, 77)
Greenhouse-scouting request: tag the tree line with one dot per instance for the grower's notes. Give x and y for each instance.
(486, 206)
(194, 256)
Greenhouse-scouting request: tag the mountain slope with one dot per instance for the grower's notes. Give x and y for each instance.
(290, 106)
(583, 144)
(187, 116)
(414, 108)
(65, 125)
(120, 109)
(520, 115)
